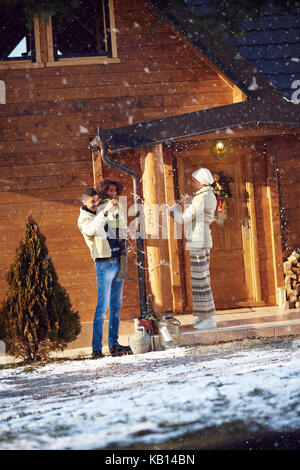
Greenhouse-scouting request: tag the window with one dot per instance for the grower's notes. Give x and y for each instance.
(84, 33)
(89, 32)
(86, 36)
(16, 39)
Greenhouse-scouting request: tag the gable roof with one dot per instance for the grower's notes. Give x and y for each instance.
(231, 117)
(229, 58)
(270, 43)
(265, 112)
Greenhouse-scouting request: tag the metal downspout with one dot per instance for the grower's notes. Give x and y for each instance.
(137, 195)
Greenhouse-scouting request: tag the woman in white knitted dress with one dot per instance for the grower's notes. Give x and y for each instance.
(197, 218)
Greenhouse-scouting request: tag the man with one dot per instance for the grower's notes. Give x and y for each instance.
(105, 250)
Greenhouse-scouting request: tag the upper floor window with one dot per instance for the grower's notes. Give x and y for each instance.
(85, 33)
(16, 39)
(81, 32)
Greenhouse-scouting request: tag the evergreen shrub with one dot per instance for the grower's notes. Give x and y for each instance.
(36, 316)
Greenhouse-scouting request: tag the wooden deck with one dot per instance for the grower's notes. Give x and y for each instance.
(232, 325)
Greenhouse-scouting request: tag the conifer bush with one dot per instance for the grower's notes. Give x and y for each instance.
(36, 316)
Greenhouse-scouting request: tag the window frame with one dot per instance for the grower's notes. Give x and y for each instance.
(84, 60)
(27, 63)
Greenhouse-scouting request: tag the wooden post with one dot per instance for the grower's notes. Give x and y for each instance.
(273, 198)
(156, 246)
(178, 290)
(43, 39)
(97, 167)
(188, 303)
(253, 262)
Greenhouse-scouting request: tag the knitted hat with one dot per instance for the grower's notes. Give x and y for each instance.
(204, 176)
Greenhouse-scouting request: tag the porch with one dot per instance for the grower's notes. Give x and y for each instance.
(232, 325)
(246, 263)
(260, 322)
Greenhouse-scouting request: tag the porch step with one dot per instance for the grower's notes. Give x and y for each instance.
(265, 322)
(231, 325)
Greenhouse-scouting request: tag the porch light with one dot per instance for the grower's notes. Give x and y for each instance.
(219, 149)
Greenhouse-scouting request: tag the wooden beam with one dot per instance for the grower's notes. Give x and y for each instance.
(113, 30)
(273, 199)
(97, 168)
(156, 246)
(188, 307)
(50, 49)
(253, 251)
(178, 290)
(241, 133)
(37, 39)
(238, 95)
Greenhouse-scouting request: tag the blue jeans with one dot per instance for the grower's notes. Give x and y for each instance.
(109, 294)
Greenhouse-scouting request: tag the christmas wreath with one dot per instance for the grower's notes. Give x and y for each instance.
(222, 192)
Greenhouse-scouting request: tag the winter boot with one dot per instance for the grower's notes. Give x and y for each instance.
(97, 355)
(119, 350)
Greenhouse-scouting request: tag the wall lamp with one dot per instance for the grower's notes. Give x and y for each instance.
(219, 149)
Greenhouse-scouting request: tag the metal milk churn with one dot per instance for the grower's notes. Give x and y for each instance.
(140, 341)
(168, 331)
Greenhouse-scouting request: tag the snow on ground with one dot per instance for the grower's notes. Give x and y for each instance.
(149, 398)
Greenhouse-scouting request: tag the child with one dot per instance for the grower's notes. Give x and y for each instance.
(107, 190)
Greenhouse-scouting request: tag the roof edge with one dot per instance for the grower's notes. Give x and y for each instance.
(219, 52)
(245, 113)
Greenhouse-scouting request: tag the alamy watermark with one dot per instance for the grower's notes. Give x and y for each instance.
(296, 93)
(155, 221)
(2, 92)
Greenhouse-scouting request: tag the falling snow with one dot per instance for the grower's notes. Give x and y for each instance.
(254, 85)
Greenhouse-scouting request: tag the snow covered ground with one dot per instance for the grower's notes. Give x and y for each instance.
(150, 398)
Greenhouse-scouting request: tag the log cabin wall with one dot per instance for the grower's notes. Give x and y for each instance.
(276, 166)
(51, 111)
(286, 150)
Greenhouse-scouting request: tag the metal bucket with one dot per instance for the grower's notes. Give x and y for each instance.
(168, 331)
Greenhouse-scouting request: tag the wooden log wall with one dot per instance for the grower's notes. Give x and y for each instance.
(276, 166)
(287, 152)
(51, 112)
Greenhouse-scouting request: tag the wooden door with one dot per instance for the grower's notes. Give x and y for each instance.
(234, 264)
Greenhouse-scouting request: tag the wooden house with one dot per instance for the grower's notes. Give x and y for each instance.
(169, 100)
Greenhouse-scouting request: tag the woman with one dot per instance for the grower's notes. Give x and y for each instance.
(197, 218)
(107, 190)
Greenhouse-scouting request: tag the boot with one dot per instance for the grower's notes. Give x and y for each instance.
(123, 269)
(119, 350)
(97, 354)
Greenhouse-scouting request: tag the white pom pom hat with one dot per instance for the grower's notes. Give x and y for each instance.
(204, 176)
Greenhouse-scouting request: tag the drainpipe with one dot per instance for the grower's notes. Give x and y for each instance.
(136, 191)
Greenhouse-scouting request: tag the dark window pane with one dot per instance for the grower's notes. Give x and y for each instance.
(84, 33)
(16, 40)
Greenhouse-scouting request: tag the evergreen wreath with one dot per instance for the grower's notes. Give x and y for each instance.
(222, 191)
